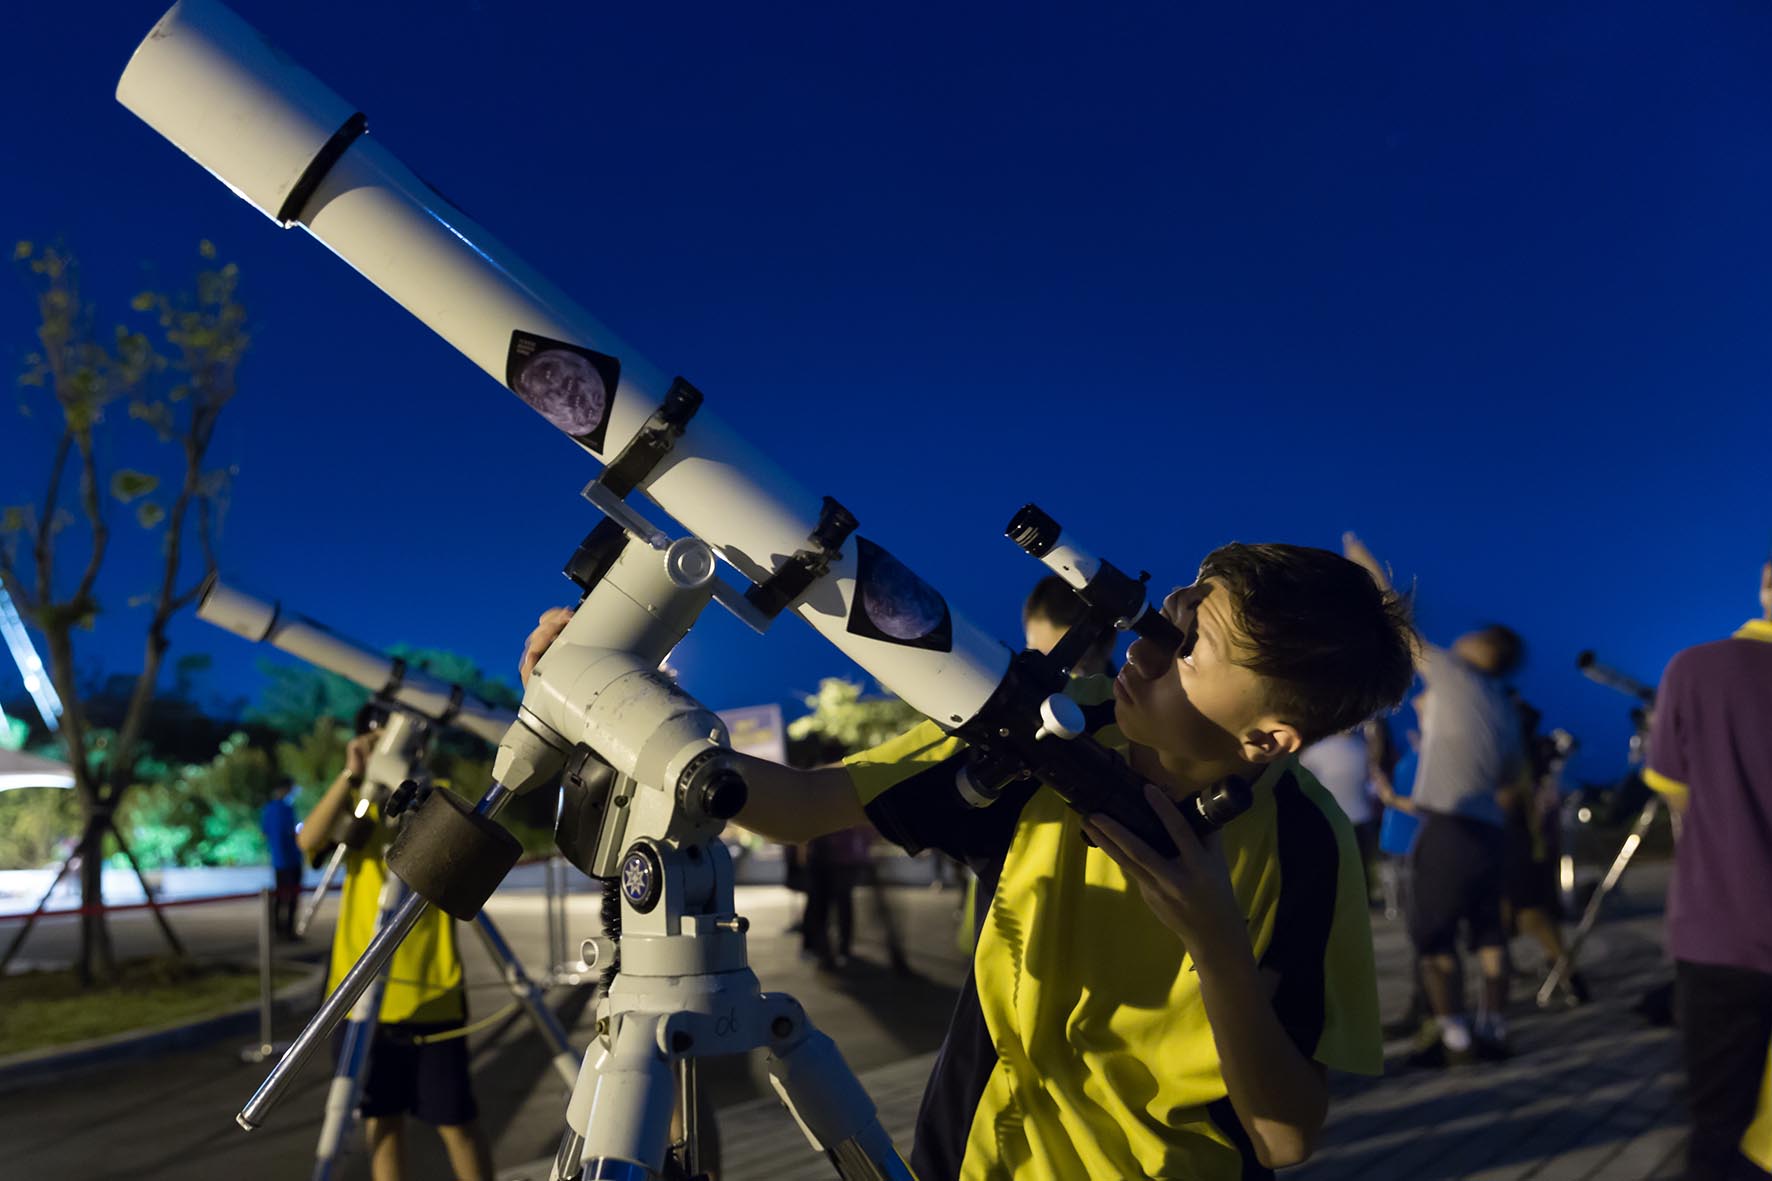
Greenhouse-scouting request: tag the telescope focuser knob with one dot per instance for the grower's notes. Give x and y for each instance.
(400, 799)
(1060, 717)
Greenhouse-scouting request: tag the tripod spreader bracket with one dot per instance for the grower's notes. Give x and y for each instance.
(452, 856)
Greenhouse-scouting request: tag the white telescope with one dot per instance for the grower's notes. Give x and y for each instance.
(386, 677)
(297, 152)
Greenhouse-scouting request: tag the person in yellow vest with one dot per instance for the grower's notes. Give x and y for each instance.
(415, 1068)
(1129, 1015)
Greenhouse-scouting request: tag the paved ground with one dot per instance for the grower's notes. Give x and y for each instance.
(172, 1117)
(1592, 1093)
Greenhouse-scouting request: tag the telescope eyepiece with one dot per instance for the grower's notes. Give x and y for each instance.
(1223, 802)
(1033, 530)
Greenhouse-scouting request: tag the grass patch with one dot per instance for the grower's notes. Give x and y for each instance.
(43, 1009)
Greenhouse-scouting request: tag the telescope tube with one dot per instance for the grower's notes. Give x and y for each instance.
(387, 677)
(298, 153)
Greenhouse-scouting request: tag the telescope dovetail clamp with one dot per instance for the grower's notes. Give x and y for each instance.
(457, 695)
(396, 678)
(776, 593)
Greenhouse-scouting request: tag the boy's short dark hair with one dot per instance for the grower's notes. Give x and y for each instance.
(1053, 600)
(1334, 648)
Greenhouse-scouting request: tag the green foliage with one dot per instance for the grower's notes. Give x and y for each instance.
(297, 696)
(842, 721)
(34, 823)
(128, 484)
(314, 759)
(203, 814)
(80, 369)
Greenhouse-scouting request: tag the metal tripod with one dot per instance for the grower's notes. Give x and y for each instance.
(1611, 678)
(346, 1090)
(1565, 965)
(684, 991)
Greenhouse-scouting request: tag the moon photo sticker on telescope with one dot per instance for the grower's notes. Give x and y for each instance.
(894, 605)
(570, 386)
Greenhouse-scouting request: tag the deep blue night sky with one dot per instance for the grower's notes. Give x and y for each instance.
(1487, 284)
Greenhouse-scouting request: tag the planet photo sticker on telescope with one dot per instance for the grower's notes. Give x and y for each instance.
(570, 386)
(894, 605)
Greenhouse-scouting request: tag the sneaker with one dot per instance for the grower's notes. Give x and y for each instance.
(1579, 989)
(1429, 1049)
(1434, 1055)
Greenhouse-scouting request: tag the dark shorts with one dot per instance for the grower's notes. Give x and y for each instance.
(1457, 879)
(1532, 884)
(427, 1081)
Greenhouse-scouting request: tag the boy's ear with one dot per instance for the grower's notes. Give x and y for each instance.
(1271, 739)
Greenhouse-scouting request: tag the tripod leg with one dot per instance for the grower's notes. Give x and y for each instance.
(30, 920)
(178, 949)
(834, 1110)
(352, 1072)
(318, 897)
(1559, 974)
(534, 1003)
(619, 1118)
(346, 1090)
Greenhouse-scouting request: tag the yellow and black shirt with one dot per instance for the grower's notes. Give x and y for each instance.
(1079, 1047)
(425, 977)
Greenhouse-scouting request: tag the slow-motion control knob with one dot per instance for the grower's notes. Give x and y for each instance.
(1060, 717)
(712, 787)
(724, 794)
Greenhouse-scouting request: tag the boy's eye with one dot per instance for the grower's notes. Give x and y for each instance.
(1189, 638)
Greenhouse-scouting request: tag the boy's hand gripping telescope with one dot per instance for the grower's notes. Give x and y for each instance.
(299, 153)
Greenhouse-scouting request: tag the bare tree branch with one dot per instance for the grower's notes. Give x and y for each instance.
(95, 516)
(43, 545)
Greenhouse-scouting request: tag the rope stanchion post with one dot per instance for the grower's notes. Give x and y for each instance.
(266, 1049)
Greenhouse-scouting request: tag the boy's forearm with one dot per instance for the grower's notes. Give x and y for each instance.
(790, 805)
(316, 829)
(1280, 1095)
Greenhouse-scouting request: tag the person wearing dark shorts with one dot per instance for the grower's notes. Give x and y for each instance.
(1710, 755)
(416, 1067)
(1529, 880)
(1471, 753)
(1458, 885)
